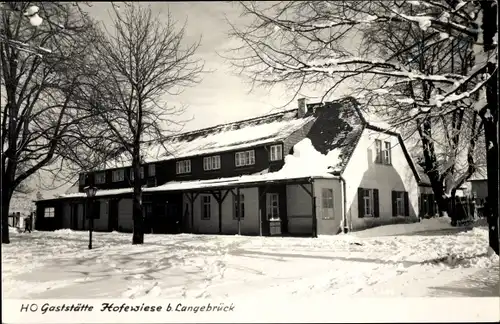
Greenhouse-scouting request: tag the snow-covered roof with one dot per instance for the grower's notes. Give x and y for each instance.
(305, 162)
(480, 174)
(227, 137)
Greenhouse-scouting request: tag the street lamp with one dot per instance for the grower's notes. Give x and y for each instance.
(90, 191)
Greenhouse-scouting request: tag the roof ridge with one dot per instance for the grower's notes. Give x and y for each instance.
(211, 128)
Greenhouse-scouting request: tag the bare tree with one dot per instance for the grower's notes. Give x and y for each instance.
(304, 42)
(142, 62)
(42, 48)
(449, 153)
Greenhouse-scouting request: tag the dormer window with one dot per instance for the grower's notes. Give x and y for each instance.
(100, 178)
(81, 179)
(276, 153)
(151, 170)
(211, 163)
(183, 167)
(141, 173)
(118, 175)
(245, 158)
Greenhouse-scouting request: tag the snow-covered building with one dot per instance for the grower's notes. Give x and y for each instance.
(317, 169)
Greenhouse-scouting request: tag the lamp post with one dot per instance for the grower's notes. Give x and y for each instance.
(90, 191)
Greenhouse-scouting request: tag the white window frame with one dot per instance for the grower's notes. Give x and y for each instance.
(49, 212)
(368, 202)
(387, 153)
(100, 177)
(141, 173)
(242, 206)
(244, 158)
(272, 211)
(206, 206)
(400, 203)
(276, 152)
(183, 167)
(327, 203)
(378, 151)
(151, 170)
(118, 175)
(211, 163)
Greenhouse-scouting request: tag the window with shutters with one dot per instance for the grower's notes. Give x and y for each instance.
(400, 203)
(276, 153)
(368, 202)
(272, 208)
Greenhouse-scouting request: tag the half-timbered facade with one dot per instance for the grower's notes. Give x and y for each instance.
(237, 178)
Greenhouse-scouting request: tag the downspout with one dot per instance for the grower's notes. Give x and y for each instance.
(344, 202)
(314, 216)
(344, 207)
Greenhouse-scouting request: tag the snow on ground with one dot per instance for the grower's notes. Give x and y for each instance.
(369, 263)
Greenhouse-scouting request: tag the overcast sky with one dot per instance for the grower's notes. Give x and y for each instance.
(222, 96)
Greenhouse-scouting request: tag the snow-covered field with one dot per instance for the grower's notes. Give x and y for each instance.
(424, 259)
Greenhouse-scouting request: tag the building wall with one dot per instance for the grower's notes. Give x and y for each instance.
(299, 208)
(362, 171)
(249, 225)
(125, 211)
(102, 223)
(326, 224)
(66, 215)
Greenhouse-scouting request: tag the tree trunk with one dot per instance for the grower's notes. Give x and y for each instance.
(490, 134)
(6, 196)
(138, 234)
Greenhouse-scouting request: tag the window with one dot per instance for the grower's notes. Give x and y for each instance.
(118, 175)
(400, 206)
(245, 158)
(272, 208)
(368, 202)
(49, 212)
(242, 205)
(147, 209)
(327, 203)
(382, 154)
(184, 166)
(378, 151)
(211, 163)
(205, 207)
(276, 152)
(141, 173)
(151, 170)
(400, 202)
(387, 153)
(81, 179)
(100, 178)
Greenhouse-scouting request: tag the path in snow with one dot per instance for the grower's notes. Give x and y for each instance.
(58, 265)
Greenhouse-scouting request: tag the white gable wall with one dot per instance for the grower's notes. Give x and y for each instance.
(362, 171)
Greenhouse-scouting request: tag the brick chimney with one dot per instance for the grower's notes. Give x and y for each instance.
(302, 107)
